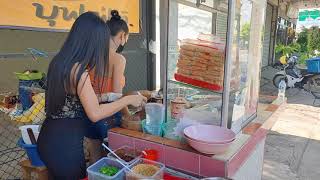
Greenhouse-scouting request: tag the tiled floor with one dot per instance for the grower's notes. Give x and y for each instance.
(10, 154)
(293, 145)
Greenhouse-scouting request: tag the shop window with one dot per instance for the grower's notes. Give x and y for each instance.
(246, 57)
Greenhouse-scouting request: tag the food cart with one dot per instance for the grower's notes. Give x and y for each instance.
(222, 92)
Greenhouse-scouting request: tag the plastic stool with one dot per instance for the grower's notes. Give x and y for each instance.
(27, 169)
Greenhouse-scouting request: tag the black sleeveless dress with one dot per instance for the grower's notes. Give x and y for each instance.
(60, 142)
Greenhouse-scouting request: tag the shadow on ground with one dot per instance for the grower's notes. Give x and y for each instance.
(293, 145)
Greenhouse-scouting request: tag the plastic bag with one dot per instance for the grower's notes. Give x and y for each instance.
(196, 116)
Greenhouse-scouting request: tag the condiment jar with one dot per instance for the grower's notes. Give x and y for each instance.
(178, 105)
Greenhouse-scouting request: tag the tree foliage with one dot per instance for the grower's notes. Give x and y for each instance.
(314, 40)
(303, 40)
(245, 32)
(307, 44)
(287, 50)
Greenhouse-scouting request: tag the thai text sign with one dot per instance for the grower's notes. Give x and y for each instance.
(308, 18)
(313, 14)
(59, 15)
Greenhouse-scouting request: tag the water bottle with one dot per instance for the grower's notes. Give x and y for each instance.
(282, 89)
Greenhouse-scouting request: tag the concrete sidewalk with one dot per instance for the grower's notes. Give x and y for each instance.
(293, 144)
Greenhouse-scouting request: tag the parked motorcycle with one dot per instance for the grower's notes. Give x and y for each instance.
(297, 77)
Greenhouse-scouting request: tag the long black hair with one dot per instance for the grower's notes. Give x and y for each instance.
(86, 48)
(117, 24)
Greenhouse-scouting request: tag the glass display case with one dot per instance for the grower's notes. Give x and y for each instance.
(212, 59)
(197, 34)
(245, 57)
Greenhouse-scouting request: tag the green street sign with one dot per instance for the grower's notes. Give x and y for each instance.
(314, 14)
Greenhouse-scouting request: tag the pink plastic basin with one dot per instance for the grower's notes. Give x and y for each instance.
(208, 148)
(209, 134)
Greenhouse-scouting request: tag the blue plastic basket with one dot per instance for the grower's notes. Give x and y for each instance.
(313, 65)
(32, 153)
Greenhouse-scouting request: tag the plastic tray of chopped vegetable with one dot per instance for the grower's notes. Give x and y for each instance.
(145, 169)
(127, 154)
(106, 169)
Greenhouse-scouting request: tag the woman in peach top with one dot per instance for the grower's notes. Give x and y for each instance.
(114, 82)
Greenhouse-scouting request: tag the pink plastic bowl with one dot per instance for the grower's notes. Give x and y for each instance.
(209, 134)
(208, 148)
(207, 142)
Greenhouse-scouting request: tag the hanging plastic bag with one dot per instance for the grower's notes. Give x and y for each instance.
(196, 116)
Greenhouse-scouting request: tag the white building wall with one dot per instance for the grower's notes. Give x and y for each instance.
(252, 168)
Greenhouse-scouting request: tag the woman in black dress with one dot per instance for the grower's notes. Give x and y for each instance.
(70, 97)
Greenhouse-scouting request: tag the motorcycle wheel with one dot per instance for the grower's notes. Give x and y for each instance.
(277, 79)
(314, 85)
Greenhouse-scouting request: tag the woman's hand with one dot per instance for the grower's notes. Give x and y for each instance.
(96, 111)
(136, 100)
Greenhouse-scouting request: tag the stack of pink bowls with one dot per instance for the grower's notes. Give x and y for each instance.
(209, 139)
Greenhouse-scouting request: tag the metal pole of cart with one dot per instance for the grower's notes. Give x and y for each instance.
(164, 24)
(226, 117)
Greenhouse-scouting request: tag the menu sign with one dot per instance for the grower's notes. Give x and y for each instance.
(59, 15)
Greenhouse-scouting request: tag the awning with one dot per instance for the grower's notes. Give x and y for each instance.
(59, 15)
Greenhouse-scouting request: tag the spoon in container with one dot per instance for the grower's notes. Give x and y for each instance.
(144, 153)
(119, 160)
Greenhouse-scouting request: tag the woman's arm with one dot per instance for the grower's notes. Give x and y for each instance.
(96, 111)
(118, 73)
(117, 79)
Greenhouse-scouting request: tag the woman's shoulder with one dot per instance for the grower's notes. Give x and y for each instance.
(117, 59)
